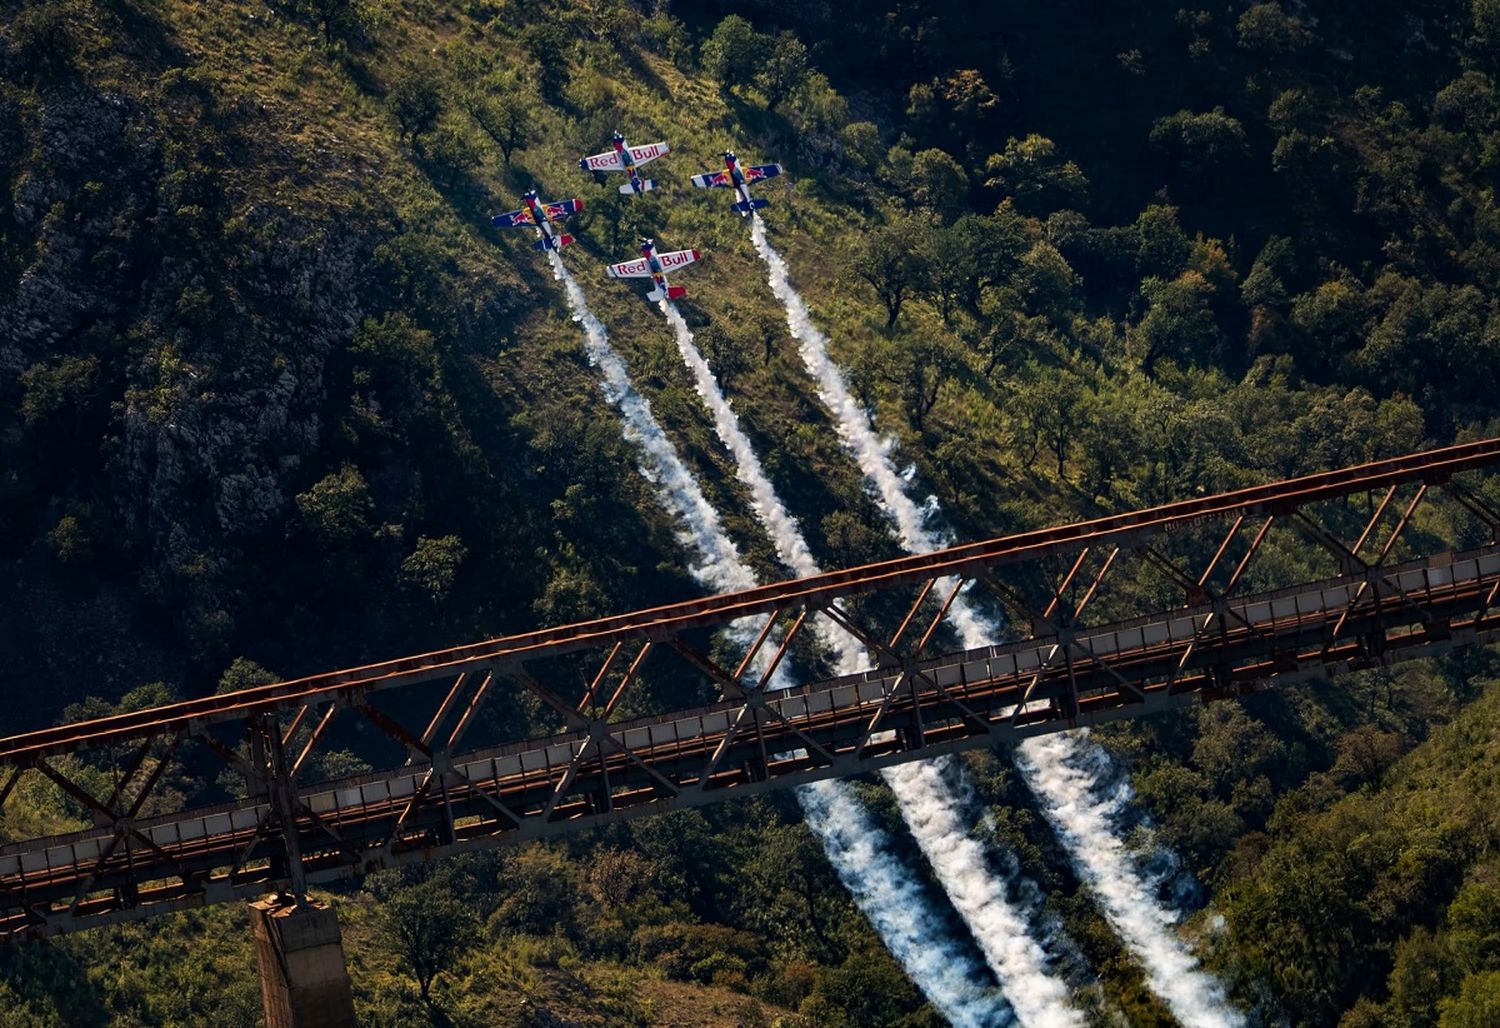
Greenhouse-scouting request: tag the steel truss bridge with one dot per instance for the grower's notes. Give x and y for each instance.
(1213, 597)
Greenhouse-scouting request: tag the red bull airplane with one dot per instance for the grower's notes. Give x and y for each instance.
(737, 178)
(629, 160)
(545, 216)
(655, 266)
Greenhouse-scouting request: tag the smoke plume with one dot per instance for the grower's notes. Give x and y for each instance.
(1055, 768)
(940, 964)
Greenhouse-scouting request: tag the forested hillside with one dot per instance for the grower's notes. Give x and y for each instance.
(275, 398)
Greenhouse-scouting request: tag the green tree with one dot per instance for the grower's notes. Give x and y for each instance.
(428, 929)
(506, 119)
(1474, 920)
(1299, 926)
(939, 183)
(549, 46)
(538, 886)
(1266, 292)
(997, 243)
(51, 388)
(867, 989)
(1198, 142)
(1047, 411)
(1178, 322)
(1046, 282)
(43, 43)
(245, 673)
(336, 19)
(861, 141)
(1477, 1004)
(734, 53)
(71, 540)
(1468, 102)
(791, 891)
(783, 69)
(1268, 30)
(1422, 975)
(970, 99)
(952, 269)
(1486, 16)
(1030, 171)
(891, 265)
(1333, 320)
(920, 364)
(432, 567)
(727, 353)
(415, 103)
(337, 509)
(453, 151)
(1163, 248)
(397, 368)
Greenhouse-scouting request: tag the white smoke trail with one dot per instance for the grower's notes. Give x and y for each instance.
(719, 566)
(897, 908)
(861, 854)
(1057, 768)
(1080, 815)
(979, 895)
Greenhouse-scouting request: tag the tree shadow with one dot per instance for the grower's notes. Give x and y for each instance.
(48, 971)
(437, 1017)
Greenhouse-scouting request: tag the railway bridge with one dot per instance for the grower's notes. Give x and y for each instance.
(1126, 614)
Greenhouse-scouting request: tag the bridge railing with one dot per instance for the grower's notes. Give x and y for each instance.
(1349, 569)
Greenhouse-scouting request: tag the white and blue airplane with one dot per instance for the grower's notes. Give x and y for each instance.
(737, 178)
(628, 159)
(544, 216)
(655, 266)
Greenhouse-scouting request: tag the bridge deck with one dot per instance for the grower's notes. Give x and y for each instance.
(1430, 467)
(542, 787)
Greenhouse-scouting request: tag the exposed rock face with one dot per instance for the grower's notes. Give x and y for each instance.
(211, 319)
(80, 203)
(213, 427)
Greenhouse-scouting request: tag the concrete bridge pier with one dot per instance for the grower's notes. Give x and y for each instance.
(304, 982)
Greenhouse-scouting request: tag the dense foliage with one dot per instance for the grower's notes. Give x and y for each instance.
(272, 395)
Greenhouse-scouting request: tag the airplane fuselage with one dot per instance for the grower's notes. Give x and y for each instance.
(621, 156)
(655, 266)
(539, 218)
(741, 187)
(623, 149)
(658, 276)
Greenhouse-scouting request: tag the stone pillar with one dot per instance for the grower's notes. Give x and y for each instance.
(303, 980)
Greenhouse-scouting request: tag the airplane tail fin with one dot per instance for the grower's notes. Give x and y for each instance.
(564, 240)
(542, 244)
(556, 242)
(754, 204)
(676, 292)
(656, 296)
(646, 185)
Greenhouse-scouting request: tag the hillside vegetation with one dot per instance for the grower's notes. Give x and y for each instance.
(275, 398)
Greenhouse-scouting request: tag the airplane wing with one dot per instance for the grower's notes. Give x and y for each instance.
(712, 180)
(756, 172)
(607, 161)
(647, 154)
(511, 219)
(638, 268)
(560, 209)
(677, 259)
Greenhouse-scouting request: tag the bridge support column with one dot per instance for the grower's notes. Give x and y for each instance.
(304, 982)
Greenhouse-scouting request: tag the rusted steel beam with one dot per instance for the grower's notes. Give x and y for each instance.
(501, 795)
(1432, 467)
